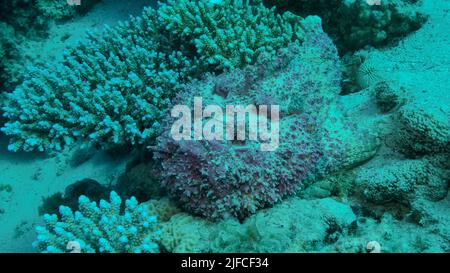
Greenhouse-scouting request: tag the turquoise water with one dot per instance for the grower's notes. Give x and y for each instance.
(224, 126)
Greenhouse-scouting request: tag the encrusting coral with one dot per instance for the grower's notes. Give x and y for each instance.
(114, 88)
(424, 128)
(101, 228)
(292, 226)
(402, 182)
(230, 178)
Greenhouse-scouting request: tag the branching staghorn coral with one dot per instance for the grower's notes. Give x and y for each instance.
(233, 35)
(100, 228)
(113, 88)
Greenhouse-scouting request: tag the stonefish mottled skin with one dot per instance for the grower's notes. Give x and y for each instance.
(220, 179)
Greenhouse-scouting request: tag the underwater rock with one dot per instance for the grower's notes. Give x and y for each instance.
(219, 179)
(354, 24)
(141, 182)
(435, 214)
(81, 155)
(423, 129)
(292, 226)
(388, 97)
(87, 187)
(402, 182)
(339, 185)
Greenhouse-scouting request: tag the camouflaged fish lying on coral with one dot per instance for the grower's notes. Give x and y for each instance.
(221, 179)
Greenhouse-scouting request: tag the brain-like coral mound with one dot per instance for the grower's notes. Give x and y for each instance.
(113, 88)
(222, 178)
(103, 228)
(424, 128)
(402, 182)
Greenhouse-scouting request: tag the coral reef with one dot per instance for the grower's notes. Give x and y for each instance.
(22, 15)
(141, 182)
(339, 185)
(8, 55)
(185, 234)
(424, 128)
(402, 182)
(393, 236)
(354, 24)
(164, 208)
(86, 187)
(219, 179)
(60, 9)
(27, 19)
(27, 16)
(231, 34)
(292, 226)
(356, 153)
(100, 228)
(113, 88)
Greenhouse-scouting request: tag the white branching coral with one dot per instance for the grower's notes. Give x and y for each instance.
(101, 228)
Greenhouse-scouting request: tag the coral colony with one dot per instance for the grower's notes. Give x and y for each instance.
(231, 125)
(100, 228)
(114, 88)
